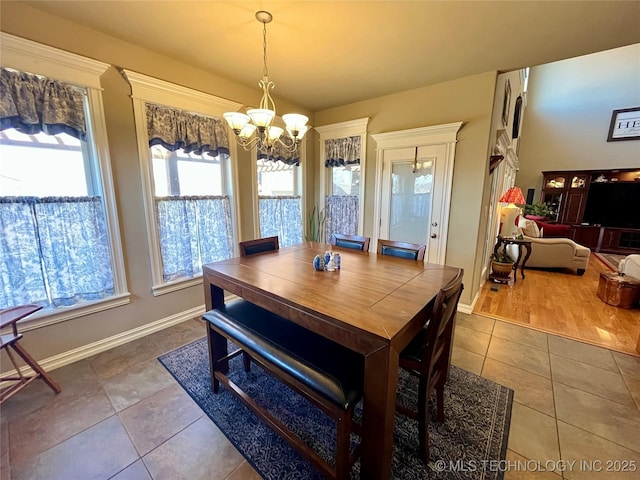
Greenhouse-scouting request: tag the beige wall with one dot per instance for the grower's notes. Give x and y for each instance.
(23, 21)
(569, 111)
(469, 100)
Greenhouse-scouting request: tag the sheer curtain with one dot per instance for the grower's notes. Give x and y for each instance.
(341, 211)
(281, 216)
(193, 231)
(55, 251)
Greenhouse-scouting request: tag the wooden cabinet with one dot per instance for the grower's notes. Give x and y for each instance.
(565, 193)
(586, 235)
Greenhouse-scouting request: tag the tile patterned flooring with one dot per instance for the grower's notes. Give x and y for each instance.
(122, 416)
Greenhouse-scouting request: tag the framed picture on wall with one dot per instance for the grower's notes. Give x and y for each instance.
(625, 125)
(506, 101)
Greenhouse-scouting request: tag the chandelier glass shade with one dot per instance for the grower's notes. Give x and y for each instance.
(255, 128)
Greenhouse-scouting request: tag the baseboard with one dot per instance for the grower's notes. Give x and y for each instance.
(466, 308)
(105, 344)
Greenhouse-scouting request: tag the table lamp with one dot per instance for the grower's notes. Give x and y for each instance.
(510, 213)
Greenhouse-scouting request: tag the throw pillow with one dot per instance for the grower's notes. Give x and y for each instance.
(529, 228)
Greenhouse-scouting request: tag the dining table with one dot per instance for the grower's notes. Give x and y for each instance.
(373, 304)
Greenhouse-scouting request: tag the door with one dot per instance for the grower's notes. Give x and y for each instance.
(413, 197)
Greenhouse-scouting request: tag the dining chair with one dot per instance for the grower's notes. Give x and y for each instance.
(413, 251)
(11, 341)
(259, 245)
(428, 356)
(355, 242)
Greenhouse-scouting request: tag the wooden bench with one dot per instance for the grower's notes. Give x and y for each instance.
(326, 373)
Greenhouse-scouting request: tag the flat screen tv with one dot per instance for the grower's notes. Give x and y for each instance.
(613, 205)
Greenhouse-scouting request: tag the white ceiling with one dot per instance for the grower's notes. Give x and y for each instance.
(323, 54)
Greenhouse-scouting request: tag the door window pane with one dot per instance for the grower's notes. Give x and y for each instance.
(411, 201)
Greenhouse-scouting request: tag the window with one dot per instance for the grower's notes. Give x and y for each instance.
(342, 189)
(279, 202)
(185, 160)
(59, 245)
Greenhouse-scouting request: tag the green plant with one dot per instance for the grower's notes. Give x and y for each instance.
(538, 209)
(316, 225)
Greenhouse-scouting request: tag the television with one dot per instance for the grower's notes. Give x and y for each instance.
(613, 204)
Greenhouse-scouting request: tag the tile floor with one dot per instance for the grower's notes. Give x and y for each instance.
(121, 415)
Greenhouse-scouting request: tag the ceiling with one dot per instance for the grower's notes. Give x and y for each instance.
(323, 54)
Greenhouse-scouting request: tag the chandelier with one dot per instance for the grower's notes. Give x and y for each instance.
(255, 128)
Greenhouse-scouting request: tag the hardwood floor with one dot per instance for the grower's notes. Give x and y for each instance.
(565, 304)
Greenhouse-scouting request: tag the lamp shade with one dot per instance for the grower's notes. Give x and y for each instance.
(513, 195)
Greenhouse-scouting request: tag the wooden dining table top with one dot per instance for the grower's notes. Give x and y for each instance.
(374, 304)
(373, 295)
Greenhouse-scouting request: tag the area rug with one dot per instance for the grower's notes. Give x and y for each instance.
(468, 445)
(610, 260)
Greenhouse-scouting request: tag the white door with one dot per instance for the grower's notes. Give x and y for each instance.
(413, 197)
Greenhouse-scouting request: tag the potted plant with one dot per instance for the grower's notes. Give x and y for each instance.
(501, 262)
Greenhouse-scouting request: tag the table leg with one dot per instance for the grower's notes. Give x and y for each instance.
(526, 257)
(380, 382)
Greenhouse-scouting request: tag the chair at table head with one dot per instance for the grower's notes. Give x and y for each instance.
(259, 245)
(428, 357)
(412, 251)
(354, 242)
(11, 341)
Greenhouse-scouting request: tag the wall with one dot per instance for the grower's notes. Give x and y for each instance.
(89, 331)
(569, 112)
(469, 100)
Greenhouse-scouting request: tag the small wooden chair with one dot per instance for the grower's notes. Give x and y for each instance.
(11, 316)
(428, 357)
(259, 245)
(413, 251)
(354, 242)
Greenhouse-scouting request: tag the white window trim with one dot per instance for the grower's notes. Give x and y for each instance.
(33, 57)
(351, 128)
(148, 89)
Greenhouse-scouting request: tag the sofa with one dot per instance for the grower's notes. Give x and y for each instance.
(555, 252)
(630, 265)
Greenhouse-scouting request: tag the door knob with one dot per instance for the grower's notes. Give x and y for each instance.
(433, 235)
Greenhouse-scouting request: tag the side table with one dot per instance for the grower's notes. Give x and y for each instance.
(520, 242)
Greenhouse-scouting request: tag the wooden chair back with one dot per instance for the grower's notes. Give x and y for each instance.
(354, 242)
(412, 251)
(259, 245)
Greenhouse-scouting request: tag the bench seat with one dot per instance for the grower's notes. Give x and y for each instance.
(328, 374)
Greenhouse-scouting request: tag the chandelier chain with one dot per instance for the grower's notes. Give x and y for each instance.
(265, 72)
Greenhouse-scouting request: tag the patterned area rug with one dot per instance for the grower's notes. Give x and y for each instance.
(610, 260)
(468, 445)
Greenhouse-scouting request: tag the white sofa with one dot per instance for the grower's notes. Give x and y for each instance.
(552, 252)
(630, 266)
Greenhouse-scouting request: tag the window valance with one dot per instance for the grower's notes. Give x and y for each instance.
(342, 151)
(33, 104)
(280, 153)
(175, 129)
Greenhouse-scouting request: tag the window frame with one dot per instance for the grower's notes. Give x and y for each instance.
(33, 57)
(351, 128)
(145, 89)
